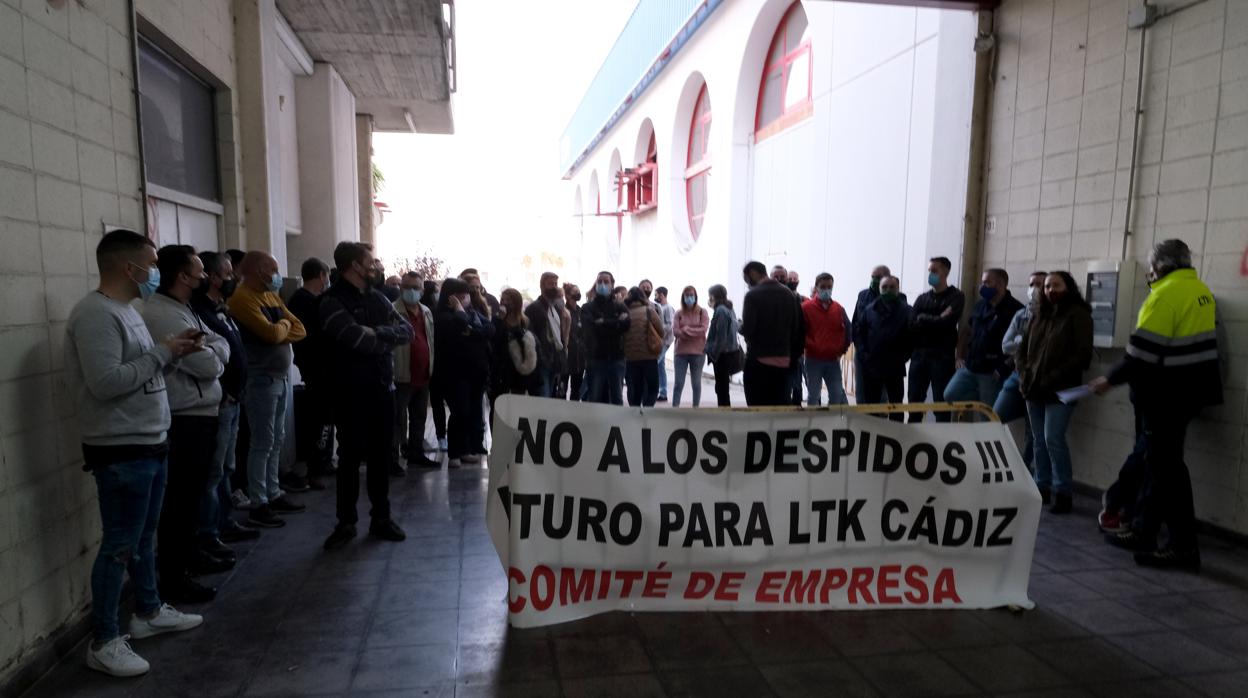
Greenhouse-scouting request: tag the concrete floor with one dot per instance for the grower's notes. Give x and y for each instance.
(427, 617)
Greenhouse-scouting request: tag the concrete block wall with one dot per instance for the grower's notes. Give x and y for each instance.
(69, 164)
(1062, 111)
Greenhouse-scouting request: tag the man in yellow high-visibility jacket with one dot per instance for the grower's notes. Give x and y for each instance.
(1172, 367)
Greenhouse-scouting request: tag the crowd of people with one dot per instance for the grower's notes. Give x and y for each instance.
(175, 391)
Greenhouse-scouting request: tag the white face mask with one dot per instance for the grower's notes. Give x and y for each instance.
(1033, 294)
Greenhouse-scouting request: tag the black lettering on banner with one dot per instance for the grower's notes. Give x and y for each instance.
(893, 533)
(932, 461)
(758, 526)
(525, 502)
(954, 537)
(592, 513)
(674, 461)
(618, 536)
(842, 445)
(713, 444)
(786, 445)
(727, 517)
(698, 529)
(849, 519)
(796, 536)
(648, 464)
(822, 507)
(813, 442)
(1005, 518)
(573, 455)
(614, 454)
(863, 449)
(549, 527)
(757, 451)
(535, 444)
(956, 471)
(671, 519)
(887, 454)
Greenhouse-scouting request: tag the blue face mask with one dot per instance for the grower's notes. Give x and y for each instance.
(691, 300)
(275, 282)
(411, 296)
(987, 292)
(603, 289)
(148, 288)
(825, 295)
(933, 278)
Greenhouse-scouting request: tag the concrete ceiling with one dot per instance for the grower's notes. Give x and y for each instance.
(391, 53)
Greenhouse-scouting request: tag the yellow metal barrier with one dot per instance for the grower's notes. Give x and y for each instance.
(884, 409)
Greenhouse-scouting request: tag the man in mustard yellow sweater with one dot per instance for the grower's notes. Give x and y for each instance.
(268, 329)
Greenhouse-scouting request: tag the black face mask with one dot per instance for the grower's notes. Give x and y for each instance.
(227, 287)
(792, 286)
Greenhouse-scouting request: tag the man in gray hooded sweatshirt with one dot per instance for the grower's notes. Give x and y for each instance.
(194, 400)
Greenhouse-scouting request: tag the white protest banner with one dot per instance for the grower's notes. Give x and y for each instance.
(594, 508)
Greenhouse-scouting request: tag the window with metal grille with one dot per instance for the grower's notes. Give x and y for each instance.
(784, 97)
(698, 162)
(635, 185)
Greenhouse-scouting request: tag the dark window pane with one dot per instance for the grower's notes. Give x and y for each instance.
(176, 116)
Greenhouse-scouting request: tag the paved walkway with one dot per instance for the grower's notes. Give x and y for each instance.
(427, 618)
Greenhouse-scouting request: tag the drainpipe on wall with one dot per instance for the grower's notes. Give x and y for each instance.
(149, 225)
(976, 204)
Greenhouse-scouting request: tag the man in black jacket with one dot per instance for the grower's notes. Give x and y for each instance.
(314, 426)
(363, 328)
(934, 323)
(771, 322)
(884, 346)
(605, 320)
(215, 522)
(982, 365)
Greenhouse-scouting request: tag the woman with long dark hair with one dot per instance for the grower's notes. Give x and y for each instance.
(512, 344)
(640, 350)
(721, 343)
(462, 334)
(1052, 357)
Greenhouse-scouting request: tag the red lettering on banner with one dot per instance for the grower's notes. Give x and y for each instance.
(859, 584)
(627, 579)
(541, 603)
(729, 588)
(515, 605)
(700, 584)
(656, 583)
(572, 590)
(886, 581)
(946, 589)
(764, 594)
(916, 579)
(801, 585)
(832, 579)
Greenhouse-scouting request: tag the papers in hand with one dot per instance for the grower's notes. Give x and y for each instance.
(1074, 394)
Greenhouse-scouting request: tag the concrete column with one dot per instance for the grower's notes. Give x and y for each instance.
(250, 36)
(364, 163)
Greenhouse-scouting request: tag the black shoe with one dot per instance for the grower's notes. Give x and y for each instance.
(397, 470)
(661, 398)
(386, 529)
(204, 563)
(187, 590)
(263, 516)
(343, 533)
(1132, 541)
(314, 483)
(1171, 559)
(284, 505)
(294, 483)
(232, 532)
(423, 461)
(1062, 503)
(217, 549)
(1045, 496)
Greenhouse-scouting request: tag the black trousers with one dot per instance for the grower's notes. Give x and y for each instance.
(1167, 494)
(365, 420)
(437, 405)
(1123, 495)
(766, 385)
(466, 426)
(192, 445)
(314, 427)
(930, 368)
(410, 412)
(723, 396)
(876, 389)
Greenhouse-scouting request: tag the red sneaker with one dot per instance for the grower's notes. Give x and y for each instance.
(1112, 522)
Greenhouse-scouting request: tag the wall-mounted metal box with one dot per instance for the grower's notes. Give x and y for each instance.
(1111, 292)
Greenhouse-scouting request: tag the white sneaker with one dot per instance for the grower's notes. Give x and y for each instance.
(117, 659)
(454, 463)
(472, 459)
(240, 500)
(167, 620)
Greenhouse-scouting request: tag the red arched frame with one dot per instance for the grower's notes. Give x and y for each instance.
(785, 93)
(698, 162)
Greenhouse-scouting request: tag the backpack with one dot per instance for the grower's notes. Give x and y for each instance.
(523, 351)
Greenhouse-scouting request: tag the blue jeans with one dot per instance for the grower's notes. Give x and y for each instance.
(1048, 423)
(694, 363)
(130, 495)
(663, 371)
(214, 506)
(968, 386)
(1010, 406)
(265, 400)
(544, 380)
(606, 381)
(820, 373)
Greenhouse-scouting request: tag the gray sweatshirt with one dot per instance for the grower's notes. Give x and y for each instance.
(116, 370)
(192, 380)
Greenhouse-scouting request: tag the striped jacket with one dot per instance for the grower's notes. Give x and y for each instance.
(1172, 356)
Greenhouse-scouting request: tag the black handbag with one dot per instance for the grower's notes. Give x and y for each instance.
(731, 361)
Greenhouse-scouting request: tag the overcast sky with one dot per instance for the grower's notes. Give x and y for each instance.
(478, 197)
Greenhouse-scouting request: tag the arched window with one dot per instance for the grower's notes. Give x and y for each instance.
(784, 97)
(698, 165)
